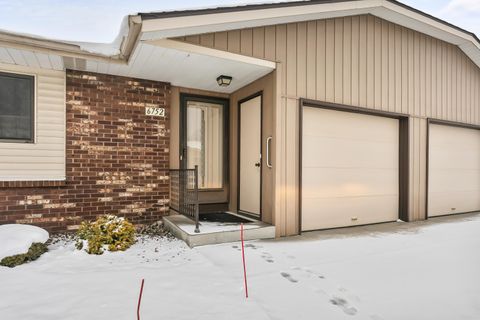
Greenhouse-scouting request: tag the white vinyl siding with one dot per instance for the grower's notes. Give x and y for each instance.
(45, 158)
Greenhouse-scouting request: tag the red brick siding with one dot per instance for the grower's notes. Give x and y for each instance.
(117, 157)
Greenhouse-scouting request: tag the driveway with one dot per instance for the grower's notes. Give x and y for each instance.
(423, 270)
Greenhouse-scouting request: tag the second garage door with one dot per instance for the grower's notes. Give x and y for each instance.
(454, 170)
(350, 169)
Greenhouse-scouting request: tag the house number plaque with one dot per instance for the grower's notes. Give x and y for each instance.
(155, 112)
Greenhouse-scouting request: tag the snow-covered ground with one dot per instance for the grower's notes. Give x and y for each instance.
(427, 270)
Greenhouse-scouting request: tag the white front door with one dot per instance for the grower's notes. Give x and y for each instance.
(250, 156)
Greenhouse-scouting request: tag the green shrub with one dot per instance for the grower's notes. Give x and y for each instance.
(33, 253)
(108, 232)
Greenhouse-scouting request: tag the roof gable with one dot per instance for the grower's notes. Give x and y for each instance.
(158, 25)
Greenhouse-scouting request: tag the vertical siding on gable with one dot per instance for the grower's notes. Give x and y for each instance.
(347, 61)
(246, 42)
(361, 61)
(258, 42)
(207, 40)
(221, 41)
(355, 49)
(291, 61)
(302, 59)
(311, 60)
(44, 159)
(338, 60)
(362, 51)
(321, 60)
(330, 60)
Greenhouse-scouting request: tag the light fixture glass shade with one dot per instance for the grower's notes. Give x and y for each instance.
(224, 81)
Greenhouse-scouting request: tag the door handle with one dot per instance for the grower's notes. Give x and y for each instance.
(182, 153)
(269, 163)
(257, 164)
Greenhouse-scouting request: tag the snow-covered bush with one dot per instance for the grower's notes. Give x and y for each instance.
(108, 232)
(35, 251)
(21, 243)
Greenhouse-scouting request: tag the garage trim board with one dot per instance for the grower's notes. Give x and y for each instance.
(403, 151)
(430, 122)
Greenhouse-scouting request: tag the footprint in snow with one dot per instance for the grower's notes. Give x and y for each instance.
(318, 275)
(350, 296)
(249, 245)
(288, 277)
(267, 257)
(343, 304)
(310, 272)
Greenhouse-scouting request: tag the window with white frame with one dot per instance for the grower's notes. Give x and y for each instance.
(17, 96)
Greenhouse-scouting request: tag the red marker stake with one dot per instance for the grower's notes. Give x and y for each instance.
(243, 258)
(140, 300)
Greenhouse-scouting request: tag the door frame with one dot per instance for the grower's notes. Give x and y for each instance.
(403, 158)
(239, 129)
(444, 123)
(225, 190)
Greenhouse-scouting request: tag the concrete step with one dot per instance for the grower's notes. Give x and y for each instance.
(216, 232)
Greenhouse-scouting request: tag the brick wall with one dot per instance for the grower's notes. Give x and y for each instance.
(116, 162)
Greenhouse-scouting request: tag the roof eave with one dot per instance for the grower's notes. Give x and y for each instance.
(250, 7)
(191, 22)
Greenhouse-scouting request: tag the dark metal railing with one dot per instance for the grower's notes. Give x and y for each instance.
(184, 193)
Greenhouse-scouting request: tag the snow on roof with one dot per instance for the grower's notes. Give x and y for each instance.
(104, 49)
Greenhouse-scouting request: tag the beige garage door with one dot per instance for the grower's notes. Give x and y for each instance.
(350, 169)
(454, 170)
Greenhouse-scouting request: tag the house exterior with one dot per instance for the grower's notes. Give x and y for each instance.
(339, 113)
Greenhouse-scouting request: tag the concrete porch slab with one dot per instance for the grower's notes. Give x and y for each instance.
(216, 232)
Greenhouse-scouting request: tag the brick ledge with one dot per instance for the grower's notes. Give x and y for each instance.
(33, 184)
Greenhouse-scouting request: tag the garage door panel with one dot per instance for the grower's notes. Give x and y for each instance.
(350, 169)
(454, 202)
(332, 213)
(451, 180)
(454, 170)
(450, 135)
(336, 182)
(338, 153)
(455, 156)
(352, 126)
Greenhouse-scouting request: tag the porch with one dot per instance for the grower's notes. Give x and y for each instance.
(221, 147)
(196, 228)
(216, 232)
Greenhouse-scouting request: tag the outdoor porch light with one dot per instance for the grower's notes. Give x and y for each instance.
(224, 81)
